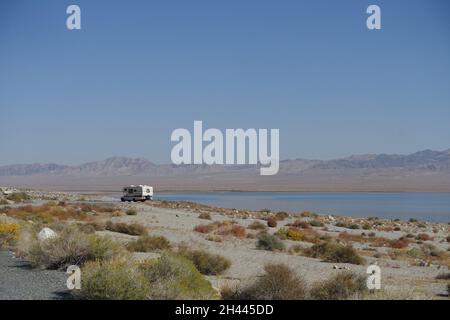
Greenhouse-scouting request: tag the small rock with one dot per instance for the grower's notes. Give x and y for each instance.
(46, 233)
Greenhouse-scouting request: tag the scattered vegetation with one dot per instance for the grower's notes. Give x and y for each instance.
(205, 262)
(281, 215)
(148, 243)
(278, 282)
(341, 286)
(334, 252)
(134, 229)
(269, 242)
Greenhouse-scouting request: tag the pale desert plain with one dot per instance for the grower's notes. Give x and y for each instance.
(413, 256)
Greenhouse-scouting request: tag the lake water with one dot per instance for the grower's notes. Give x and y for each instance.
(422, 206)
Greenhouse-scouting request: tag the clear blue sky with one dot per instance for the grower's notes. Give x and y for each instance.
(139, 69)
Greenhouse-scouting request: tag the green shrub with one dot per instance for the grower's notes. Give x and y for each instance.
(18, 197)
(269, 242)
(131, 212)
(278, 283)
(205, 262)
(341, 286)
(175, 277)
(334, 252)
(149, 243)
(114, 280)
(134, 229)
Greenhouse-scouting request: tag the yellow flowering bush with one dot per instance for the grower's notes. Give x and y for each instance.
(9, 232)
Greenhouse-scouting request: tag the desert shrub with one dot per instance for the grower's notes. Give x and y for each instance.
(202, 228)
(175, 277)
(316, 223)
(115, 280)
(300, 224)
(272, 222)
(18, 197)
(399, 243)
(279, 282)
(424, 237)
(443, 276)
(72, 247)
(134, 229)
(204, 215)
(412, 220)
(205, 262)
(269, 242)
(367, 226)
(290, 234)
(448, 239)
(9, 233)
(149, 243)
(131, 212)
(338, 287)
(257, 225)
(281, 215)
(308, 214)
(222, 228)
(334, 252)
(3, 202)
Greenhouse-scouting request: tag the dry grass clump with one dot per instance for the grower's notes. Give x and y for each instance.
(222, 228)
(9, 234)
(257, 225)
(269, 242)
(399, 243)
(281, 215)
(204, 215)
(148, 244)
(52, 211)
(71, 247)
(134, 229)
(278, 282)
(131, 212)
(334, 252)
(424, 237)
(205, 262)
(341, 286)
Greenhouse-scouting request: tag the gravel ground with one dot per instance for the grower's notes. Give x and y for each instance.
(18, 281)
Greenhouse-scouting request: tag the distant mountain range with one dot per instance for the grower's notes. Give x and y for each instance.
(421, 171)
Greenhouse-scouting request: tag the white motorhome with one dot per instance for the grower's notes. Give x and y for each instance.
(137, 193)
